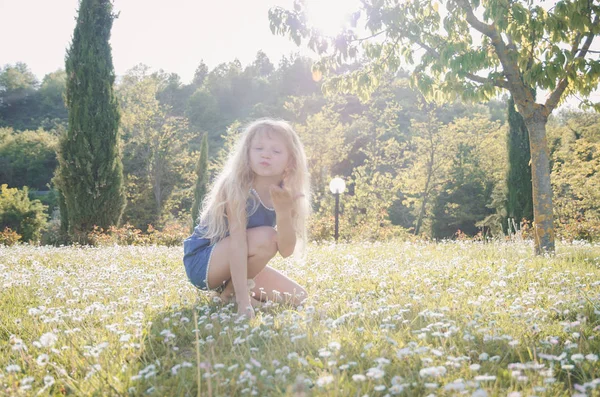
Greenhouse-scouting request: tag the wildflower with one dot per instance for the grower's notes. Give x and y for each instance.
(48, 339)
(375, 373)
(432, 372)
(457, 385)
(359, 378)
(474, 367)
(324, 380)
(13, 368)
(26, 382)
(484, 378)
(324, 353)
(334, 345)
(577, 358)
(42, 360)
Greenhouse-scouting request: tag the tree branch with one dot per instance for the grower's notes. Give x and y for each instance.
(555, 96)
(509, 67)
(485, 80)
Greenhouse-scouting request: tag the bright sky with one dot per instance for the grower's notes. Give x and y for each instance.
(173, 35)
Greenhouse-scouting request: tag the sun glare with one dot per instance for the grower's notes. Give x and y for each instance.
(330, 16)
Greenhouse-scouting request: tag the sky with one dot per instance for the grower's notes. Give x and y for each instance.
(173, 35)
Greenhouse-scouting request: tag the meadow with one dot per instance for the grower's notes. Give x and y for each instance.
(382, 319)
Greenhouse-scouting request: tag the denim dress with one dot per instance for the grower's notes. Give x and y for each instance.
(198, 250)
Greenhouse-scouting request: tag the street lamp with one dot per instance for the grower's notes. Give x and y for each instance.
(337, 187)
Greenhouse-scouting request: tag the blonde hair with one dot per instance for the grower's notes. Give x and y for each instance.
(232, 185)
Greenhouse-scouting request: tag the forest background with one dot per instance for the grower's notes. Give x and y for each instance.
(413, 169)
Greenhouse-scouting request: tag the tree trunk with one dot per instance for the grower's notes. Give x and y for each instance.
(543, 211)
(425, 193)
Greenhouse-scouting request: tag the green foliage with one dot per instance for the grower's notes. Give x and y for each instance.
(155, 156)
(201, 181)
(27, 105)
(576, 176)
(21, 215)
(27, 158)
(472, 51)
(18, 102)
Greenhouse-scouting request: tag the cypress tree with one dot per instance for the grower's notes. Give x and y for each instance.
(90, 174)
(201, 180)
(519, 202)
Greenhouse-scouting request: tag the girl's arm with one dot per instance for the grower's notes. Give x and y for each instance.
(238, 262)
(286, 234)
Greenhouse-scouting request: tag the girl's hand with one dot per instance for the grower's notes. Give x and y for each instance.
(246, 309)
(283, 199)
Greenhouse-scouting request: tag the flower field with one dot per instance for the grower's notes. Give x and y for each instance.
(383, 319)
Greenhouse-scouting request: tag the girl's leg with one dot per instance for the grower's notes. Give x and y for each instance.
(262, 247)
(274, 286)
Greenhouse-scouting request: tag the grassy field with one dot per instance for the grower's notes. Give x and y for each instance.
(382, 319)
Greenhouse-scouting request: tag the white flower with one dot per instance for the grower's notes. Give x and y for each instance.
(42, 359)
(577, 358)
(455, 386)
(48, 339)
(479, 393)
(432, 371)
(359, 378)
(324, 380)
(474, 367)
(486, 377)
(375, 373)
(13, 368)
(324, 353)
(592, 357)
(48, 380)
(334, 345)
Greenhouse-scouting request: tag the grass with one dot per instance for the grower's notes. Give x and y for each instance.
(382, 319)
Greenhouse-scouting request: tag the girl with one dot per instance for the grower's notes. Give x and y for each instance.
(257, 206)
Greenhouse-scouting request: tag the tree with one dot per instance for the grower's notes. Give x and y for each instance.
(90, 174)
(51, 97)
(474, 50)
(154, 150)
(519, 203)
(18, 101)
(201, 180)
(429, 154)
(27, 158)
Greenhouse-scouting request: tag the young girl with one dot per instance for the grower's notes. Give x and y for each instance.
(257, 206)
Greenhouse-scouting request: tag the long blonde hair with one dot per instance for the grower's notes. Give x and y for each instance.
(233, 183)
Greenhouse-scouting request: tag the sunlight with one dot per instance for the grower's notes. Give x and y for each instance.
(330, 16)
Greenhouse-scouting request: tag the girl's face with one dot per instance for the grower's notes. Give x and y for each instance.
(269, 155)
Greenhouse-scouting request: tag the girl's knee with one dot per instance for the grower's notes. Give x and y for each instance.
(262, 241)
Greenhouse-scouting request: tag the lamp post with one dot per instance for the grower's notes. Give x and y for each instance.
(337, 187)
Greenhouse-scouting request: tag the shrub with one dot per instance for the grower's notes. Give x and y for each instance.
(8, 237)
(172, 234)
(19, 213)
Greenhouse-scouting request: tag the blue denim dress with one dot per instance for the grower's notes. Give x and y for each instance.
(197, 250)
